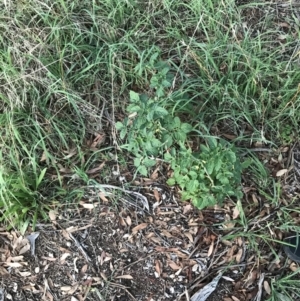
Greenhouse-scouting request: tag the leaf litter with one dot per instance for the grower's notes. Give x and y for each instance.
(126, 252)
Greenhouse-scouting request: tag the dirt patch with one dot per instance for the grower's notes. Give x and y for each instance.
(117, 251)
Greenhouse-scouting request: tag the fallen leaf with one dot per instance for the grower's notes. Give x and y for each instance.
(211, 249)
(157, 267)
(267, 287)
(64, 256)
(52, 215)
(281, 172)
(13, 264)
(124, 277)
(156, 195)
(65, 288)
(84, 269)
(25, 274)
(128, 220)
(236, 212)
(96, 169)
(239, 255)
(235, 298)
(173, 265)
(139, 227)
(43, 157)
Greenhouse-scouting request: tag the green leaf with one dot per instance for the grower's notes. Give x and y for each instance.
(156, 143)
(180, 136)
(123, 133)
(160, 111)
(171, 181)
(218, 164)
(149, 162)
(192, 186)
(167, 140)
(142, 170)
(41, 177)
(168, 157)
(193, 174)
(177, 122)
(134, 97)
(186, 128)
(133, 108)
(210, 166)
(212, 142)
(137, 162)
(119, 125)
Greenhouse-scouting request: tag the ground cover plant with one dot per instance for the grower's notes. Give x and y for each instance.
(200, 97)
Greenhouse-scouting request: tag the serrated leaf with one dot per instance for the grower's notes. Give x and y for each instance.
(186, 128)
(156, 143)
(143, 170)
(210, 167)
(177, 122)
(212, 142)
(218, 164)
(123, 133)
(149, 162)
(137, 162)
(160, 111)
(171, 181)
(119, 125)
(134, 97)
(133, 108)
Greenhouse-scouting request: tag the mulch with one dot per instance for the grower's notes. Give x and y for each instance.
(113, 248)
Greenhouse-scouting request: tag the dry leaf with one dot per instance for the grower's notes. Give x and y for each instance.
(25, 274)
(267, 287)
(52, 215)
(281, 172)
(128, 220)
(139, 227)
(293, 267)
(13, 264)
(156, 195)
(65, 288)
(124, 277)
(235, 298)
(173, 265)
(25, 249)
(84, 269)
(236, 212)
(211, 249)
(94, 170)
(189, 236)
(239, 255)
(64, 256)
(157, 267)
(102, 196)
(43, 157)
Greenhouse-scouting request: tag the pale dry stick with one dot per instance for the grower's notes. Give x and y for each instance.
(136, 194)
(78, 245)
(139, 260)
(259, 293)
(117, 285)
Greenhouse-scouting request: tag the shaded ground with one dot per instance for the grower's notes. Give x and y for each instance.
(118, 251)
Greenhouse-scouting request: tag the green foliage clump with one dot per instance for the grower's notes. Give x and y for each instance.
(209, 176)
(152, 131)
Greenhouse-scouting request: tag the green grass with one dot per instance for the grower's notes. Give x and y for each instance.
(67, 69)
